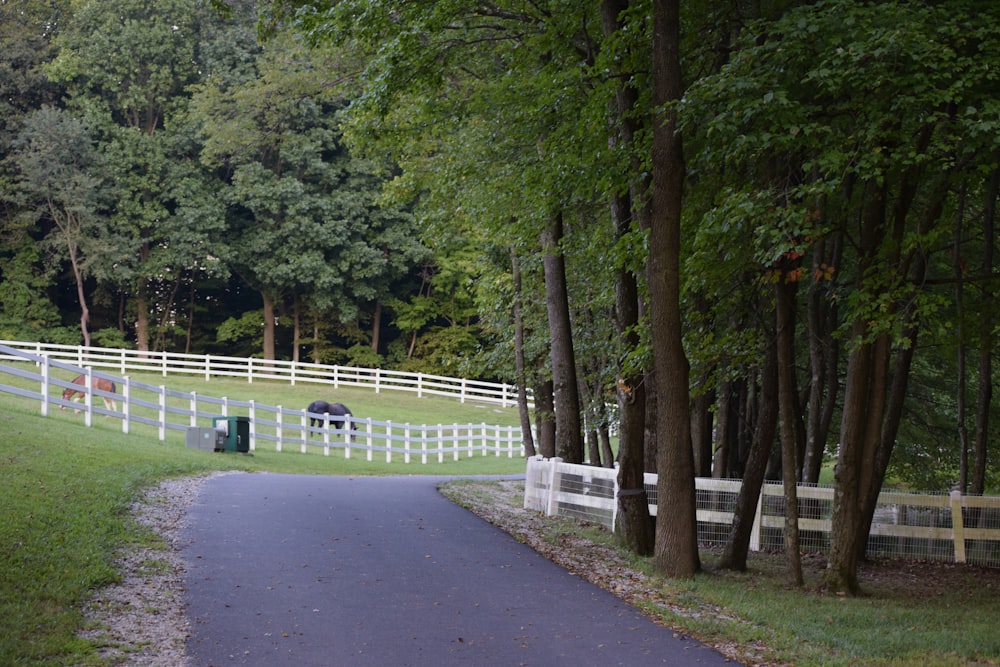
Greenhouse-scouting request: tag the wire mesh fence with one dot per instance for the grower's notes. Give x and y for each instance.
(928, 526)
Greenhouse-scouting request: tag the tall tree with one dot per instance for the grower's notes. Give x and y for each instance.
(676, 550)
(59, 182)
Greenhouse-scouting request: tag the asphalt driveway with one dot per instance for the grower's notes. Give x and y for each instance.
(385, 572)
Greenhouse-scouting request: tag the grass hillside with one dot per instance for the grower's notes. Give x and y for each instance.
(66, 489)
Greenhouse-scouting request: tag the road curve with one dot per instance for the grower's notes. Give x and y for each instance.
(385, 572)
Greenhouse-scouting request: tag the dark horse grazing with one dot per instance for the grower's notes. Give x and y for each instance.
(101, 384)
(332, 409)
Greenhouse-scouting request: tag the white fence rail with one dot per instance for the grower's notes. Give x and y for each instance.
(949, 527)
(123, 361)
(165, 410)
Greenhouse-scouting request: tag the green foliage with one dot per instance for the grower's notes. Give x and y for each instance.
(313, 231)
(247, 327)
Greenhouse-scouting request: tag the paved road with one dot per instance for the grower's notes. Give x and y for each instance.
(385, 572)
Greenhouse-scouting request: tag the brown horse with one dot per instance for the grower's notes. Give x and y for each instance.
(101, 384)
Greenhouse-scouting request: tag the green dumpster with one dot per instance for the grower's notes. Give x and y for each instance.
(237, 433)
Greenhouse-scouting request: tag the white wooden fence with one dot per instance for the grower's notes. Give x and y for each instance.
(947, 526)
(123, 361)
(165, 410)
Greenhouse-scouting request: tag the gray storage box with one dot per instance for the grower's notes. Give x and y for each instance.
(208, 439)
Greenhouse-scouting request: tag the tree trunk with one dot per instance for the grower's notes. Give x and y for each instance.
(676, 545)
(824, 384)
(961, 380)
(296, 329)
(634, 524)
(377, 327)
(734, 555)
(984, 396)
(141, 316)
(651, 449)
(841, 574)
(725, 431)
(81, 296)
(569, 439)
(545, 419)
(269, 348)
(607, 454)
(785, 311)
(519, 364)
(701, 432)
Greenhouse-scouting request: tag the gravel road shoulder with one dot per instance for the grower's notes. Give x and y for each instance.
(140, 620)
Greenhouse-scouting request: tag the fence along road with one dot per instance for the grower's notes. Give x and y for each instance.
(165, 410)
(331, 571)
(949, 527)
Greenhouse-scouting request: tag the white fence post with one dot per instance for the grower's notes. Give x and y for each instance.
(958, 526)
(46, 379)
(406, 442)
(614, 497)
(349, 424)
(370, 437)
(88, 398)
(305, 434)
(277, 430)
(555, 481)
(388, 441)
(758, 522)
(162, 418)
(326, 433)
(194, 409)
(126, 403)
(253, 425)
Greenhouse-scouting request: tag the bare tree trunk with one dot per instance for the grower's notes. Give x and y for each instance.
(81, 297)
(651, 448)
(377, 327)
(701, 432)
(676, 546)
(785, 310)
(725, 431)
(824, 384)
(569, 438)
(960, 379)
(296, 329)
(734, 555)
(269, 347)
(519, 364)
(545, 419)
(984, 396)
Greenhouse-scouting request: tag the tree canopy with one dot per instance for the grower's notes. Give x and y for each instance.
(756, 237)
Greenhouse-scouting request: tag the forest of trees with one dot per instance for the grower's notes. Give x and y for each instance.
(763, 230)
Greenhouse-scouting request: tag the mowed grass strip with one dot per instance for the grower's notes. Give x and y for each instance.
(66, 490)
